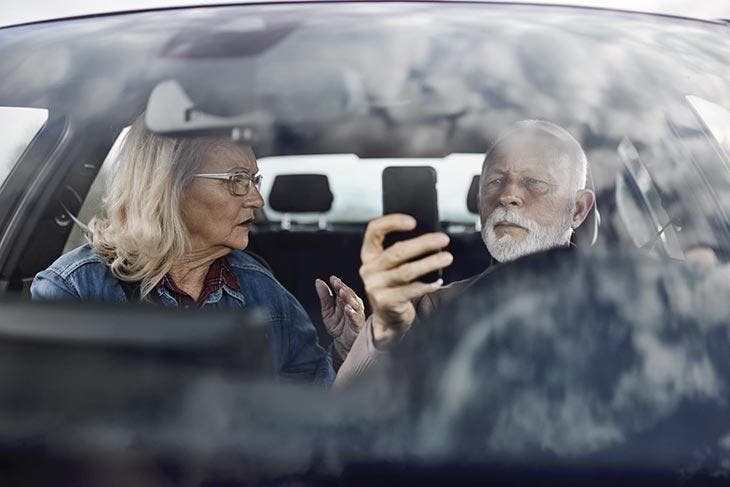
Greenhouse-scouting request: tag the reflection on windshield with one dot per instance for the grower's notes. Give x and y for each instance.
(717, 120)
(639, 203)
(603, 355)
(609, 368)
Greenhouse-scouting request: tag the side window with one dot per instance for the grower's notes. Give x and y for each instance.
(639, 205)
(20, 125)
(715, 118)
(672, 196)
(92, 203)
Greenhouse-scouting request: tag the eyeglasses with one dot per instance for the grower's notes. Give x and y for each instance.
(239, 184)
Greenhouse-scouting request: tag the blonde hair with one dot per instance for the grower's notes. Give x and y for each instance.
(143, 232)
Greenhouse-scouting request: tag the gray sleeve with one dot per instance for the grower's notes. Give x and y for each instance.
(363, 355)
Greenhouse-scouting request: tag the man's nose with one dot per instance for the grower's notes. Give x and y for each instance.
(511, 195)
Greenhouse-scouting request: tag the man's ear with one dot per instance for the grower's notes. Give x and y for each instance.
(584, 201)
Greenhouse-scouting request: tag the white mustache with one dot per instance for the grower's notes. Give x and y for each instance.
(502, 214)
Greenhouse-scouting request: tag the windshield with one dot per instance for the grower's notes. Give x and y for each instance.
(142, 185)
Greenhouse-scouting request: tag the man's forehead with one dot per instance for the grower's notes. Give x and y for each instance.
(528, 157)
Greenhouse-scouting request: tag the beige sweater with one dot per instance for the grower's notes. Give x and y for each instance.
(363, 353)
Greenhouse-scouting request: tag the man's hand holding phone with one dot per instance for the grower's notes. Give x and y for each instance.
(390, 274)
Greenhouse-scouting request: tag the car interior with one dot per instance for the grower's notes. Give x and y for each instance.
(298, 239)
(62, 161)
(331, 97)
(299, 247)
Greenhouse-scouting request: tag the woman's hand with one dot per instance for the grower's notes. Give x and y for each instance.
(343, 313)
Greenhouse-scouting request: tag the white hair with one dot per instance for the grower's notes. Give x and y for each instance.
(558, 142)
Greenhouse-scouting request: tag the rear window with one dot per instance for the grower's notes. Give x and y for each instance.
(356, 184)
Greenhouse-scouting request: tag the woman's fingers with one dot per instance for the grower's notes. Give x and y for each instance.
(345, 292)
(357, 317)
(326, 298)
(328, 307)
(347, 298)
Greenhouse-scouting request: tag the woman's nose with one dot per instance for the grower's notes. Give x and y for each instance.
(254, 198)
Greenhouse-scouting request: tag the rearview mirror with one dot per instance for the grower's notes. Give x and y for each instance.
(171, 112)
(325, 95)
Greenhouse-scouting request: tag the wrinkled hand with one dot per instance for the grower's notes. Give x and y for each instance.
(389, 274)
(343, 313)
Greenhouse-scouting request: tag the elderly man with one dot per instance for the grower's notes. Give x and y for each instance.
(532, 197)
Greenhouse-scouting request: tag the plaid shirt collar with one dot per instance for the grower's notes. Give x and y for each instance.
(219, 275)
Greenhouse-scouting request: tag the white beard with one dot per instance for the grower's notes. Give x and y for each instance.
(538, 238)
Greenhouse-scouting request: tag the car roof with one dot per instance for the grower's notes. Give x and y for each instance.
(23, 12)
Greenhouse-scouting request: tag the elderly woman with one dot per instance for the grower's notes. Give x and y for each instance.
(178, 216)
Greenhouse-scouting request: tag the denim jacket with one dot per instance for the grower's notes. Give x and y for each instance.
(81, 274)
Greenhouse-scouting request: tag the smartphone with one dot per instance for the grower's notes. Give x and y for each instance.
(412, 190)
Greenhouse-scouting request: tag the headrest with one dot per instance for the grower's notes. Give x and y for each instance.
(301, 193)
(472, 197)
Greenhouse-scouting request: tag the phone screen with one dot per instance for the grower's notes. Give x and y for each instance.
(412, 190)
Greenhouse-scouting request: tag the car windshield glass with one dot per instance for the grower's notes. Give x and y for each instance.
(441, 99)
(576, 159)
